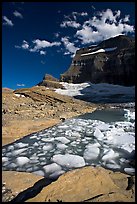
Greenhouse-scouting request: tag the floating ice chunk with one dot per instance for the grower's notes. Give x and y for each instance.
(103, 127)
(47, 147)
(43, 163)
(42, 158)
(40, 154)
(34, 157)
(121, 124)
(9, 154)
(51, 168)
(75, 134)
(63, 126)
(98, 134)
(33, 137)
(129, 115)
(12, 165)
(6, 163)
(18, 151)
(91, 152)
(33, 161)
(89, 138)
(132, 115)
(10, 148)
(3, 150)
(83, 140)
(73, 143)
(4, 159)
(30, 169)
(69, 160)
(21, 145)
(69, 151)
(61, 146)
(82, 123)
(35, 144)
(62, 139)
(57, 151)
(128, 147)
(89, 133)
(56, 174)
(22, 160)
(68, 133)
(77, 128)
(123, 160)
(125, 138)
(113, 166)
(47, 139)
(129, 170)
(39, 172)
(110, 154)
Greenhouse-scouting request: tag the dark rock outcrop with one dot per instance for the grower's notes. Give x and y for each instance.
(50, 81)
(115, 66)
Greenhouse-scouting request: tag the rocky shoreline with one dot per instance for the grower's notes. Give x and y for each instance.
(31, 110)
(24, 115)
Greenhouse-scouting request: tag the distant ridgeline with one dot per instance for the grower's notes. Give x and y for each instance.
(112, 61)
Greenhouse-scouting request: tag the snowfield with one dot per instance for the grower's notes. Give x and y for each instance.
(100, 50)
(98, 92)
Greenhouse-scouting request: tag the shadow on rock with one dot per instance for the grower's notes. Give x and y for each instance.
(32, 191)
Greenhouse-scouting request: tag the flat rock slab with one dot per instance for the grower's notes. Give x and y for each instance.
(19, 181)
(89, 184)
(19, 128)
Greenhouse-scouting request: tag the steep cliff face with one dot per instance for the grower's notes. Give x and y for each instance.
(112, 61)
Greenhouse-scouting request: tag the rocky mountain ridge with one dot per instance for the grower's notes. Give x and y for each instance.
(112, 61)
(50, 81)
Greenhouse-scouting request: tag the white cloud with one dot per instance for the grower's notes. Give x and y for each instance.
(75, 14)
(108, 15)
(72, 24)
(56, 35)
(93, 7)
(126, 19)
(70, 20)
(87, 35)
(7, 21)
(17, 14)
(67, 53)
(70, 47)
(21, 85)
(42, 62)
(39, 44)
(42, 52)
(104, 25)
(25, 45)
(17, 46)
(84, 14)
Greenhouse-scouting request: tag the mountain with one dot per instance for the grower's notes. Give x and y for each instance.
(7, 90)
(50, 81)
(111, 61)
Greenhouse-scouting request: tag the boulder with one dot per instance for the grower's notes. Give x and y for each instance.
(16, 182)
(93, 184)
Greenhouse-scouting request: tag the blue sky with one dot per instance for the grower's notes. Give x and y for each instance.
(42, 37)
